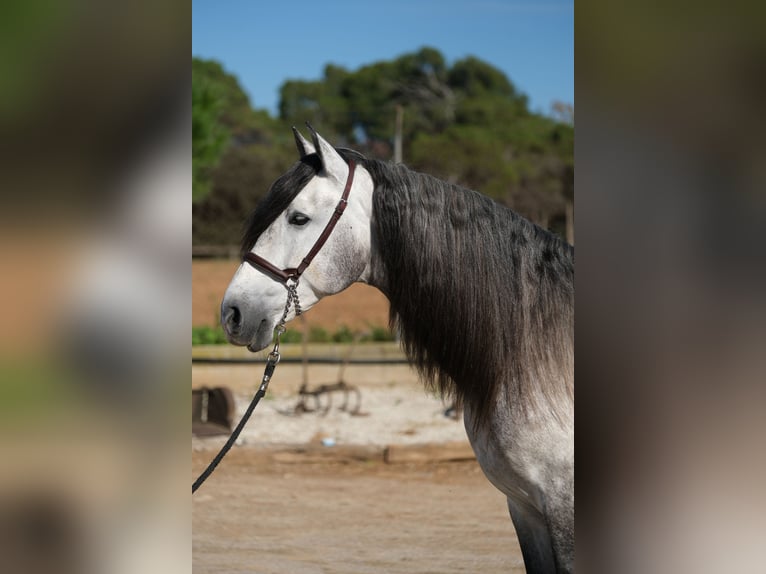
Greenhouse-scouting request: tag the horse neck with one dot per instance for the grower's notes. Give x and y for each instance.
(478, 294)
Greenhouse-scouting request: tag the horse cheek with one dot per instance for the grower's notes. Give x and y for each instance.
(346, 265)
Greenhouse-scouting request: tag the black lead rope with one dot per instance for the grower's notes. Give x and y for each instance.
(271, 363)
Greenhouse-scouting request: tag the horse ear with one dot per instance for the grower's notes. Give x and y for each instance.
(304, 146)
(332, 162)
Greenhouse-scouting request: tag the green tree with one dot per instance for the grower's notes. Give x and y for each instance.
(256, 151)
(233, 105)
(209, 136)
(466, 123)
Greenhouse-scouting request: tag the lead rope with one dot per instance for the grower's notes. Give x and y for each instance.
(272, 360)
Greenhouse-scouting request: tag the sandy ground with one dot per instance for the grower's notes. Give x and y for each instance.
(273, 513)
(349, 518)
(394, 406)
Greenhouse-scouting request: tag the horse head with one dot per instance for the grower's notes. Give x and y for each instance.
(287, 243)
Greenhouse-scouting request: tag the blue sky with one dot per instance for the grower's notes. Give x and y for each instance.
(265, 42)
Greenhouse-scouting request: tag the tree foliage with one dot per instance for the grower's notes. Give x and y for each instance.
(465, 122)
(209, 136)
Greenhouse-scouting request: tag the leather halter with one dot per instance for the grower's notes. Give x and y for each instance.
(284, 275)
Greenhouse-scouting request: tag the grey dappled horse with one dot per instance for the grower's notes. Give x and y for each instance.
(483, 300)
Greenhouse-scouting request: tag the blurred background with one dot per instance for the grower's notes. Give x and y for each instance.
(95, 238)
(671, 292)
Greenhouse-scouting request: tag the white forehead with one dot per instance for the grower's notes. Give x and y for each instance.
(317, 200)
(320, 193)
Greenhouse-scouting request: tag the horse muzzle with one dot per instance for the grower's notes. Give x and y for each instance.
(241, 329)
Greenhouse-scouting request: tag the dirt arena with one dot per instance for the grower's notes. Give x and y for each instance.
(281, 502)
(277, 518)
(284, 502)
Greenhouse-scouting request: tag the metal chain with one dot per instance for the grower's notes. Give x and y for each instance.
(292, 300)
(273, 358)
(297, 303)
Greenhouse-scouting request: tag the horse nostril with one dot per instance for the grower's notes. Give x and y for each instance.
(232, 316)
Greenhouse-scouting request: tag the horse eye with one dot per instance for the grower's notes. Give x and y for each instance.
(299, 219)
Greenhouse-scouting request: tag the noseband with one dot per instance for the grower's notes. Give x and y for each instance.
(294, 273)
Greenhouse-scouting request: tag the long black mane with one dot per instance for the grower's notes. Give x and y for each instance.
(482, 298)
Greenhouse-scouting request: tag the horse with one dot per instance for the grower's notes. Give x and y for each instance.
(483, 301)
